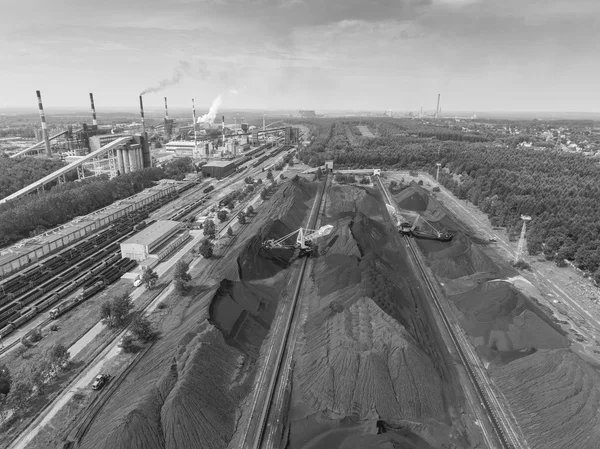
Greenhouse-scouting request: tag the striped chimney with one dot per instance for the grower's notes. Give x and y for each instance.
(44, 128)
(195, 134)
(142, 115)
(94, 121)
(166, 110)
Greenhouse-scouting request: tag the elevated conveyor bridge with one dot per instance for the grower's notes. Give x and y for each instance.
(104, 160)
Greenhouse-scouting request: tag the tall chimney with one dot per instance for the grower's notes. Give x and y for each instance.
(437, 110)
(44, 129)
(142, 115)
(166, 110)
(94, 121)
(195, 134)
(223, 131)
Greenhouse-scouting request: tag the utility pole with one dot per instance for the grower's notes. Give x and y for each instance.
(521, 245)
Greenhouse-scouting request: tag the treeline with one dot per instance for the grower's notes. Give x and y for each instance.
(20, 172)
(558, 190)
(448, 134)
(33, 214)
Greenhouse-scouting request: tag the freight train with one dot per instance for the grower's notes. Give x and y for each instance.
(12, 267)
(50, 280)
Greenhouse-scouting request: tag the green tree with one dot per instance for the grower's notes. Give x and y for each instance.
(181, 276)
(142, 328)
(250, 210)
(222, 215)
(230, 231)
(149, 278)
(206, 248)
(242, 218)
(264, 194)
(59, 356)
(5, 379)
(319, 173)
(231, 206)
(210, 229)
(269, 174)
(115, 312)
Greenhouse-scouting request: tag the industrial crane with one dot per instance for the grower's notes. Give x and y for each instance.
(413, 230)
(304, 239)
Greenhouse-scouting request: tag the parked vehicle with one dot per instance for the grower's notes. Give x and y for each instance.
(100, 381)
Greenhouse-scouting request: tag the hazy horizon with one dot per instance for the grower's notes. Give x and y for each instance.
(480, 55)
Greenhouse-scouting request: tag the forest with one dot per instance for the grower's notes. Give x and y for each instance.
(560, 191)
(20, 172)
(33, 214)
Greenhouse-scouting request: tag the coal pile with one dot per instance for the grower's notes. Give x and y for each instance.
(368, 351)
(555, 396)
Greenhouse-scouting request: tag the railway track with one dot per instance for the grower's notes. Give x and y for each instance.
(507, 437)
(261, 426)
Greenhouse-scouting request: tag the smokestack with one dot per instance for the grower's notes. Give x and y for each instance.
(44, 129)
(94, 121)
(223, 131)
(437, 110)
(194, 116)
(142, 115)
(167, 111)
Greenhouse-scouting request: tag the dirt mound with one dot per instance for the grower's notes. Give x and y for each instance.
(499, 317)
(362, 362)
(412, 198)
(555, 396)
(288, 209)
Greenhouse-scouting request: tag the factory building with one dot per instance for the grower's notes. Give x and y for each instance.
(218, 169)
(185, 148)
(156, 241)
(132, 157)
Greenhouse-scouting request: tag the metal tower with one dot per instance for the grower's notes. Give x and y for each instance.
(521, 245)
(437, 175)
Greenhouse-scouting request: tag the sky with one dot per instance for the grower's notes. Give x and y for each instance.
(480, 55)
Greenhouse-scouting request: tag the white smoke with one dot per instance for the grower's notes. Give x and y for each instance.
(234, 91)
(210, 116)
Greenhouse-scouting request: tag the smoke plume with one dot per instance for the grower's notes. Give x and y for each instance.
(210, 116)
(183, 69)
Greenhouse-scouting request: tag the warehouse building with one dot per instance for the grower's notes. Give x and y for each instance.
(156, 241)
(31, 250)
(218, 169)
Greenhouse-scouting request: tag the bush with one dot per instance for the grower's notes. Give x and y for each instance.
(35, 335)
(436, 189)
(222, 215)
(128, 345)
